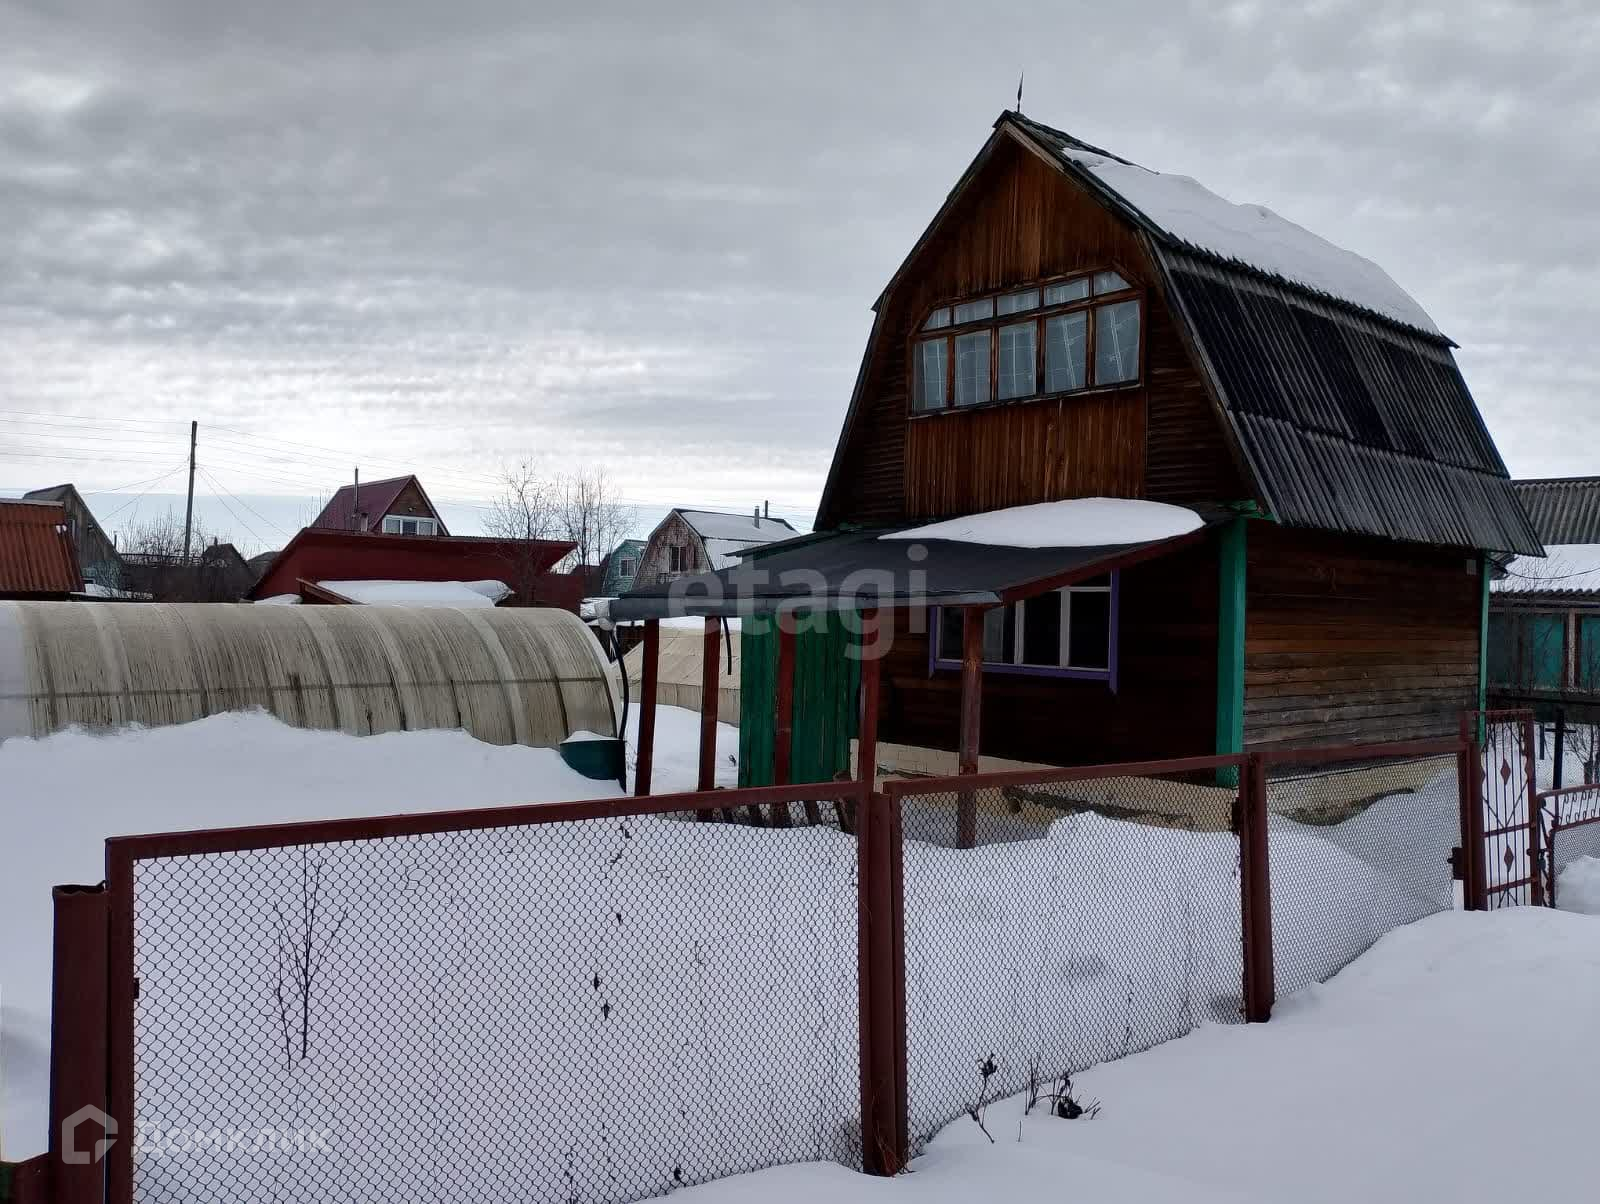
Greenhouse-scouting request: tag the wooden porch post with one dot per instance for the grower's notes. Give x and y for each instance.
(783, 727)
(971, 716)
(647, 706)
(871, 676)
(708, 704)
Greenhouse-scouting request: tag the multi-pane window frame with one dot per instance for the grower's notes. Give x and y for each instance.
(937, 326)
(1111, 586)
(395, 524)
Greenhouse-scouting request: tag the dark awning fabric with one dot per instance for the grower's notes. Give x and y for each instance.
(856, 570)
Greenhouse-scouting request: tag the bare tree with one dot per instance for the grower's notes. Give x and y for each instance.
(526, 507)
(581, 507)
(524, 511)
(592, 516)
(153, 562)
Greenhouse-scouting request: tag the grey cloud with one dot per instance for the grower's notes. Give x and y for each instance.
(649, 235)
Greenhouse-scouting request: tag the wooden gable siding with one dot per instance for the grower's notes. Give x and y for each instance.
(1022, 221)
(410, 502)
(655, 562)
(1165, 705)
(1350, 638)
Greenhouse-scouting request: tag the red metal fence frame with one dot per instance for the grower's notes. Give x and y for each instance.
(881, 917)
(123, 852)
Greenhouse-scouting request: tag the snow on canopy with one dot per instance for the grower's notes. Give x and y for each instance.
(1572, 568)
(1076, 523)
(420, 593)
(1254, 235)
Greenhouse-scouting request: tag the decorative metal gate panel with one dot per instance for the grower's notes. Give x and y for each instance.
(1513, 861)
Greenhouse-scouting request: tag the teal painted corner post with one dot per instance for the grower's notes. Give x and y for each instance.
(1230, 639)
(1483, 640)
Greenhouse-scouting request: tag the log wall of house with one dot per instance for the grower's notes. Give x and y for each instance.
(1020, 220)
(1165, 704)
(1355, 639)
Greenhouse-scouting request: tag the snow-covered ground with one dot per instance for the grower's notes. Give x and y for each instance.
(596, 955)
(1454, 1061)
(64, 794)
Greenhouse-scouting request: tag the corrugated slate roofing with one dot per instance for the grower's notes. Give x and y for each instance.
(1564, 510)
(1348, 423)
(36, 552)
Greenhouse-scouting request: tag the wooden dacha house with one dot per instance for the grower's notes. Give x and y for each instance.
(1300, 497)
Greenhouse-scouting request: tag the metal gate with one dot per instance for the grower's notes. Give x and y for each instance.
(1513, 861)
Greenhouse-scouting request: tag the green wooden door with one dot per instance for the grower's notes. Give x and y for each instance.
(826, 675)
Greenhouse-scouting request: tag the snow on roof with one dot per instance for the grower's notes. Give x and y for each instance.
(1076, 523)
(1253, 235)
(420, 593)
(1571, 568)
(742, 528)
(721, 552)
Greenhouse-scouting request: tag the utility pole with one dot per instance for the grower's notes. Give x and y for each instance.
(188, 508)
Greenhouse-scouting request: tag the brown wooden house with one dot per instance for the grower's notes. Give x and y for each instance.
(1072, 326)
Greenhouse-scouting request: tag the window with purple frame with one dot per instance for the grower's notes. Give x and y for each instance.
(1068, 632)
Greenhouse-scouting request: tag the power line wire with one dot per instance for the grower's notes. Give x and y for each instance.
(254, 534)
(205, 472)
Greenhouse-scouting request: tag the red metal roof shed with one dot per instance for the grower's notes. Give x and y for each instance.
(37, 558)
(317, 554)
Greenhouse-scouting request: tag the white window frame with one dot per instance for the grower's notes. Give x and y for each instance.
(1063, 666)
(395, 524)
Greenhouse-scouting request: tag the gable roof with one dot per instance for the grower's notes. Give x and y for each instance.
(1334, 387)
(1564, 510)
(67, 494)
(376, 497)
(1182, 213)
(737, 528)
(36, 552)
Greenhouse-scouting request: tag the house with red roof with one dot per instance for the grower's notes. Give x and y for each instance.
(389, 532)
(396, 506)
(37, 556)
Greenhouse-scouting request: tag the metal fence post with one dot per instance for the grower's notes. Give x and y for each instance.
(881, 1098)
(1469, 773)
(1255, 892)
(1535, 811)
(78, 1045)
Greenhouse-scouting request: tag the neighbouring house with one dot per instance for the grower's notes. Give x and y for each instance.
(702, 541)
(396, 506)
(1544, 612)
(98, 560)
(217, 573)
(37, 557)
(621, 567)
(1129, 471)
(680, 677)
(320, 554)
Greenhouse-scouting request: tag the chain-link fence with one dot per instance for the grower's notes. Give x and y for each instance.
(1054, 922)
(605, 1001)
(599, 1008)
(1356, 849)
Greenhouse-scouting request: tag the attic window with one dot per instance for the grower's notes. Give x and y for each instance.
(394, 524)
(1061, 337)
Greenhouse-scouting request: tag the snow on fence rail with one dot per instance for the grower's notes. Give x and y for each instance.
(605, 1001)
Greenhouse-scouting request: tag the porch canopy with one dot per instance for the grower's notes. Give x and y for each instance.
(970, 563)
(981, 560)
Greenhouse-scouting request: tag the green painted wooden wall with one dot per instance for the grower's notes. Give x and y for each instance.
(826, 678)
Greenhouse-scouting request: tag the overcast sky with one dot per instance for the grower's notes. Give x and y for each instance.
(444, 235)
